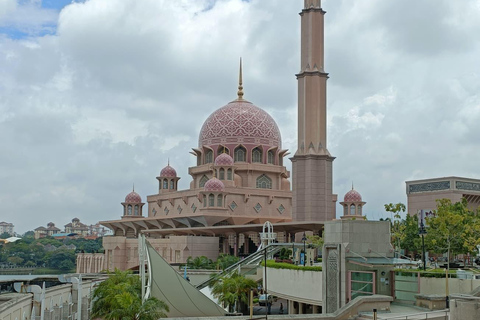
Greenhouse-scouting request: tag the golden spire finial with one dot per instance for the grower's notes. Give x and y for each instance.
(133, 187)
(352, 185)
(168, 161)
(240, 87)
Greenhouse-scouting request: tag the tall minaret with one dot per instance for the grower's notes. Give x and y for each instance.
(313, 199)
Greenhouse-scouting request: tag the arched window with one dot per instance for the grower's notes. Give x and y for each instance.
(264, 182)
(221, 174)
(136, 210)
(229, 174)
(203, 180)
(240, 154)
(359, 210)
(222, 149)
(129, 210)
(172, 184)
(271, 157)
(165, 184)
(220, 200)
(257, 155)
(204, 201)
(209, 156)
(352, 210)
(211, 200)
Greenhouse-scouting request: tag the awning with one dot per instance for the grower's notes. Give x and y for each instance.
(183, 299)
(380, 261)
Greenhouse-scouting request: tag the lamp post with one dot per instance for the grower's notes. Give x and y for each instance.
(304, 240)
(422, 231)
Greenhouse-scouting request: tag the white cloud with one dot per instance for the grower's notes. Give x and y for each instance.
(123, 85)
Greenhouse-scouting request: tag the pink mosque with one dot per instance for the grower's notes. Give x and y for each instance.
(240, 180)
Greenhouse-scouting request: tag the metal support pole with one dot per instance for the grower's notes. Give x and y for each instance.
(251, 303)
(423, 253)
(374, 314)
(265, 289)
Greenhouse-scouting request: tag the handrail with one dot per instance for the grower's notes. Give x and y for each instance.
(253, 259)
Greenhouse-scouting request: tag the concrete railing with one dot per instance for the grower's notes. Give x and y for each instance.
(298, 285)
(464, 307)
(354, 307)
(60, 302)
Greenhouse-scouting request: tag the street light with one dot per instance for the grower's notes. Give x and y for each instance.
(304, 240)
(422, 231)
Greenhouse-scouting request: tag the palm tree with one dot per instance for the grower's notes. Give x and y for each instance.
(233, 289)
(119, 298)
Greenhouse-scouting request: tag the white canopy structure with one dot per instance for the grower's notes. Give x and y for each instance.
(183, 299)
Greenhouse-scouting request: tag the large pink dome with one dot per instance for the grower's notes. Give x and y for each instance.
(168, 172)
(240, 122)
(214, 185)
(224, 160)
(352, 196)
(133, 197)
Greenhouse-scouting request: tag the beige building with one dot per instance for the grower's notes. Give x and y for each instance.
(6, 227)
(42, 232)
(423, 194)
(76, 227)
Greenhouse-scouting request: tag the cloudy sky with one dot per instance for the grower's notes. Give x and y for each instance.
(96, 95)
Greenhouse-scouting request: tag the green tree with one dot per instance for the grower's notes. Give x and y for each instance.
(411, 241)
(233, 289)
(225, 260)
(5, 235)
(201, 262)
(447, 229)
(397, 228)
(119, 298)
(60, 259)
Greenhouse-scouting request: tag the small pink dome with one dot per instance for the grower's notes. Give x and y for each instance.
(133, 197)
(352, 196)
(168, 172)
(214, 185)
(224, 160)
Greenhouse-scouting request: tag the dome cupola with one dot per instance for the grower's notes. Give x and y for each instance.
(133, 197)
(214, 185)
(224, 160)
(168, 171)
(352, 196)
(352, 205)
(132, 206)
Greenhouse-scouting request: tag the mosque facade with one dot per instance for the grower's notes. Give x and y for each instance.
(240, 181)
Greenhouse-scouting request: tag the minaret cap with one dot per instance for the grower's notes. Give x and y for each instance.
(240, 86)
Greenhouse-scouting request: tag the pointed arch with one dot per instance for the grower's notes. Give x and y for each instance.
(264, 182)
(203, 180)
(209, 156)
(211, 200)
(221, 174)
(240, 154)
(229, 174)
(222, 149)
(257, 155)
(270, 157)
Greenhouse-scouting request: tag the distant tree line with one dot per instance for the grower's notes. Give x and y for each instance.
(46, 252)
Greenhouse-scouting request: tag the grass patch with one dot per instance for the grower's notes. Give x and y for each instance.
(283, 265)
(432, 273)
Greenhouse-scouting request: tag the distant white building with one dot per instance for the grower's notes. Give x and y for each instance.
(6, 227)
